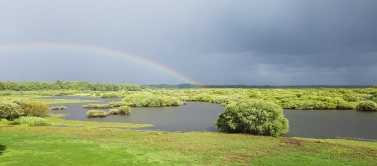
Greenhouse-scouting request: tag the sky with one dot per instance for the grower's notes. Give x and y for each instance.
(212, 42)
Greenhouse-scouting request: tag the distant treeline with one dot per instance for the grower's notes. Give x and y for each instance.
(88, 86)
(60, 85)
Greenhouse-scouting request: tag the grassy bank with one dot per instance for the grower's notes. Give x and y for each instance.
(46, 145)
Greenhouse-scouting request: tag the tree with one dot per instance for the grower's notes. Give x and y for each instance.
(252, 116)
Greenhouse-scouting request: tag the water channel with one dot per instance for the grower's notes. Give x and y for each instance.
(199, 116)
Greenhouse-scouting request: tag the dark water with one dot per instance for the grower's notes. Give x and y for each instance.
(199, 116)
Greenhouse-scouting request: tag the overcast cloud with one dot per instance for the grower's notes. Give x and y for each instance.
(291, 42)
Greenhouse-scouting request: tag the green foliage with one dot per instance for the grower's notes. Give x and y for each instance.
(60, 85)
(114, 112)
(31, 121)
(116, 104)
(96, 113)
(252, 116)
(10, 110)
(124, 110)
(366, 106)
(36, 108)
(374, 97)
(351, 97)
(101, 106)
(150, 100)
(110, 95)
(346, 106)
(20, 102)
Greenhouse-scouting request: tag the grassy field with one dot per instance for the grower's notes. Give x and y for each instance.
(90, 145)
(47, 101)
(67, 142)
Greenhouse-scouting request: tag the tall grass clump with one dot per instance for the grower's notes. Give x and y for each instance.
(101, 106)
(366, 106)
(95, 113)
(10, 110)
(114, 112)
(253, 116)
(36, 108)
(31, 121)
(124, 110)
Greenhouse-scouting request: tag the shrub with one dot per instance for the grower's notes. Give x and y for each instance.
(124, 110)
(110, 95)
(345, 106)
(21, 102)
(96, 113)
(116, 104)
(36, 108)
(366, 106)
(10, 110)
(351, 97)
(252, 116)
(31, 121)
(114, 112)
(150, 100)
(101, 106)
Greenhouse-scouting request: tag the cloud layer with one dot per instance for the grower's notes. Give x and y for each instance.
(212, 42)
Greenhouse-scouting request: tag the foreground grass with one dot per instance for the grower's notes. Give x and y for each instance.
(54, 121)
(46, 145)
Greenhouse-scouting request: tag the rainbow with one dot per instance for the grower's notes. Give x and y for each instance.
(101, 50)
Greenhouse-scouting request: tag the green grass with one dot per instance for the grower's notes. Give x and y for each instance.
(63, 101)
(104, 146)
(54, 121)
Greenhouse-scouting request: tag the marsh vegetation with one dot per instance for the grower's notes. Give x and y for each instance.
(257, 111)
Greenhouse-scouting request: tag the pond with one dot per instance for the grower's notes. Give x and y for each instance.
(199, 116)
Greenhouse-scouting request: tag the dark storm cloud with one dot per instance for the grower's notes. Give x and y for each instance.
(212, 42)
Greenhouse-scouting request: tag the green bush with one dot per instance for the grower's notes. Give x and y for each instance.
(31, 121)
(36, 108)
(10, 110)
(20, 102)
(124, 110)
(111, 95)
(96, 113)
(351, 97)
(150, 100)
(252, 116)
(116, 104)
(366, 106)
(101, 106)
(345, 106)
(114, 112)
